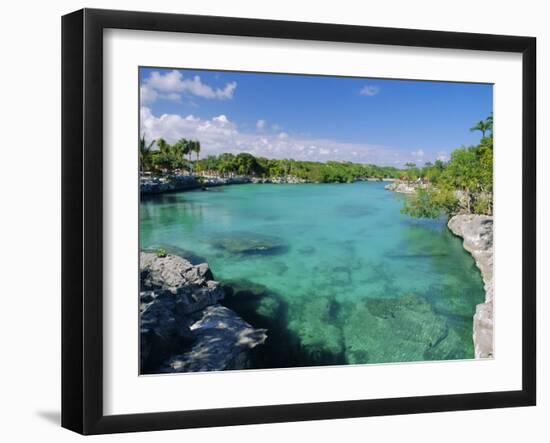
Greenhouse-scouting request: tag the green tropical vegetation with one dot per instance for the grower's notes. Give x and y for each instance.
(178, 156)
(167, 157)
(462, 185)
(145, 154)
(329, 172)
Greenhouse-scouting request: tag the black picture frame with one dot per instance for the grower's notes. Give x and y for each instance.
(82, 218)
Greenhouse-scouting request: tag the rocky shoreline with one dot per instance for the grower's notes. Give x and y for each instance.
(477, 233)
(404, 187)
(183, 326)
(149, 184)
(172, 183)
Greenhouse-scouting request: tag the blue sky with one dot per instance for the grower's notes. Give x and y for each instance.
(320, 118)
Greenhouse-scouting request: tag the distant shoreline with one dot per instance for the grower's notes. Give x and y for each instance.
(164, 183)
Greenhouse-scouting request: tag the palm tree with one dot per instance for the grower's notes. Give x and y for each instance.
(180, 148)
(197, 148)
(192, 147)
(483, 126)
(164, 159)
(163, 146)
(188, 148)
(145, 158)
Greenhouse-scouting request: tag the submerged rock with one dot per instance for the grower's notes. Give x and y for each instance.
(307, 250)
(180, 316)
(399, 329)
(244, 287)
(249, 244)
(315, 322)
(477, 232)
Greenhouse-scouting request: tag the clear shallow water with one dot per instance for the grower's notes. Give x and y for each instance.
(334, 271)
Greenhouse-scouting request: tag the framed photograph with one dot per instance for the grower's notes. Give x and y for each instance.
(269, 221)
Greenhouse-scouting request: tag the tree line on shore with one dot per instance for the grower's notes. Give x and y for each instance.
(176, 157)
(317, 172)
(464, 184)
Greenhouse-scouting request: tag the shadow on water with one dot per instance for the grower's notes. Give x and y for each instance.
(355, 210)
(264, 308)
(166, 198)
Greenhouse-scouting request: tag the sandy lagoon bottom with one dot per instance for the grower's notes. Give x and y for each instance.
(334, 271)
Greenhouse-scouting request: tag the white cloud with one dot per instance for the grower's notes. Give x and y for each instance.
(369, 90)
(220, 134)
(260, 125)
(443, 156)
(282, 135)
(171, 85)
(222, 120)
(419, 153)
(197, 87)
(169, 82)
(172, 127)
(147, 94)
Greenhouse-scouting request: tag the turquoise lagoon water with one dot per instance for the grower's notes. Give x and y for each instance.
(334, 271)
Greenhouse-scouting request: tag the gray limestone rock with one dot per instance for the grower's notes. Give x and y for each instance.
(477, 233)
